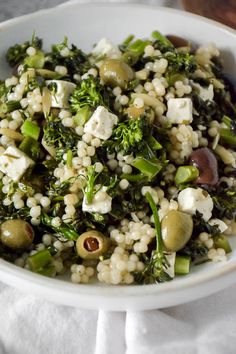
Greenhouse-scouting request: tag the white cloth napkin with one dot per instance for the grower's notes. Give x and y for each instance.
(30, 325)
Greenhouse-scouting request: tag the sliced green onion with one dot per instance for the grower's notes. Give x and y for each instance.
(228, 136)
(182, 265)
(186, 174)
(69, 156)
(82, 116)
(149, 168)
(39, 260)
(30, 129)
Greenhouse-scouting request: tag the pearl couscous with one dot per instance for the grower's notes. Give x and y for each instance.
(117, 165)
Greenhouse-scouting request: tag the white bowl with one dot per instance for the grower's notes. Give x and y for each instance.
(85, 25)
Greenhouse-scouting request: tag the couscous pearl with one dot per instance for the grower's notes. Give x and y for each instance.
(58, 245)
(37, 107)
(203, 236)
(149, 50)
(75, 278)
(220, 251)
(87, 138)
(31, 202)
(45, 202)
(80, 268)
(16, 115)
(209, 243)
(124, 100)
(64, 114)
(93, 72)
(96, 142)
(138, 102)
(13, 125)
(117, 91)
(70, 210)
(20, 262)
(19, 204)
(62, 70)
(123, 184)
(38, 196)
(4, 123)
(7, 201)
(65, 52)
(68, 122)
(84, 278)
(86, 161)
(90, 151)
(98, 167)
(56, 222)
(31, 51)
(47, 239)
(112, 164)
(58, 266)
(79, 130)
(70, 199)
(35, 221)
(140, 266)
(128, 279)
(35, 211)
(89, 271)
(24, 102)
(127, 169)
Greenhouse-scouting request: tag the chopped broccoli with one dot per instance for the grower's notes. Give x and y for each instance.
(17, 53)
(156, 266)
(76, 61)
(127, 136)
(179, 62)
(88, 93)
(60, 137)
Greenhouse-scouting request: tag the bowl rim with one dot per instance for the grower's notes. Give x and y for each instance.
(9, 272)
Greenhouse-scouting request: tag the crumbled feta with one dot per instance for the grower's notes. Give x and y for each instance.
(191, 200)
(101, 202)
(206, 93)
(63, 90)
(221, 225)
(180, 110)
(14, 163)
(105, 47)
(101, 123)
(171, 267)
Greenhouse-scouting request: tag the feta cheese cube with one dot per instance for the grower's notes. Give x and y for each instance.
(14, 163)
(101, 123)
(221, 225)
(60, 98)
(206, 93)
(105, 48)
(101, 202)
(180, 111)
(191, 200)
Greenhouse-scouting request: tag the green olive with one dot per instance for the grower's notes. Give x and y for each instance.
(115, 72)
(16, 234)
(92, 244)
(177, 228)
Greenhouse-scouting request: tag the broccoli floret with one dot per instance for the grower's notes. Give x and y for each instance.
(88, 93)
(128, 136)
(76, 61)
(157, 265)
(60, 137)
(181, 62)
(17, 53)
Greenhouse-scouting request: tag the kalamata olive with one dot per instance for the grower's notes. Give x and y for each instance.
(177, 228)
(91, 244)
(115, 72)
(16, 234)
(206, 163)
(177, 41)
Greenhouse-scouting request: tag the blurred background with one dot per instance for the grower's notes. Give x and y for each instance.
(222, 11)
